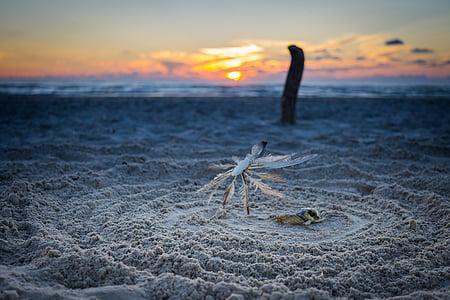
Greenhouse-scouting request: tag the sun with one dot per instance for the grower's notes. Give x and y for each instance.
(235, 75)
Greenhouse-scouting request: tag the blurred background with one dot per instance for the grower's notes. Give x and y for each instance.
(226, 48)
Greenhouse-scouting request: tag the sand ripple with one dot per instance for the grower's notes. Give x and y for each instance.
(91, 207)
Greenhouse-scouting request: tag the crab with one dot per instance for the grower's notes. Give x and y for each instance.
(305, 216)
(250, 171)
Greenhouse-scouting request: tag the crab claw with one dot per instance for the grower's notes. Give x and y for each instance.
(258, 149)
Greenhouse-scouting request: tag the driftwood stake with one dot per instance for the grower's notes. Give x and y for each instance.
(294, 77)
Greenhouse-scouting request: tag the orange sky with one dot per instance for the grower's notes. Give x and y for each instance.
(62, 40)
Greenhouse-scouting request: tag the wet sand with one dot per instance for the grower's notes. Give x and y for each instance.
(98, 198)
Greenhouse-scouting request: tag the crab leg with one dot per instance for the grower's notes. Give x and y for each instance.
(244, 192)
(228, 193)
(214, 184)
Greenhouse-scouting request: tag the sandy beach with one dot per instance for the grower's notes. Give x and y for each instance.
(98, 199)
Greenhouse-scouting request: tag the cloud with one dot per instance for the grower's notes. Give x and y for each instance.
(419, 62)
(225, 64)
(349, 56)
(344, 57)
(126, 53)
(333, 44)
(178, 57)
(326, 57)
(393, 42)
(145, 67)
(232, 52)
(421, 50)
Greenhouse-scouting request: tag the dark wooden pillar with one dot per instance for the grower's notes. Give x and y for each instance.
(294, 77)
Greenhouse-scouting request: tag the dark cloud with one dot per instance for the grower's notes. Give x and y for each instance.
(393, 42)
(391, 56)
(171, 66)
(419, 62)
(345, 69)
(421, 50)
(323, 51)
(432, 64)
(328, 57)
(361, 58)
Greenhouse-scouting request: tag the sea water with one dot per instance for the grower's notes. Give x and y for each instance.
(117, 88)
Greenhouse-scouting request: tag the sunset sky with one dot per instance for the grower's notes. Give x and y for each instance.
(216, 41)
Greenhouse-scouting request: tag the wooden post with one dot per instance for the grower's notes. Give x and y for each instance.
(294, 77)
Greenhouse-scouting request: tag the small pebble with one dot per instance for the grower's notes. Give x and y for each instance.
(412, 224)
(53, 253)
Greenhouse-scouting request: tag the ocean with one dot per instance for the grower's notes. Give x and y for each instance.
(105, 88)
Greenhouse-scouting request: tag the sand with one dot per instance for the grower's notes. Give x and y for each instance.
(98, 200)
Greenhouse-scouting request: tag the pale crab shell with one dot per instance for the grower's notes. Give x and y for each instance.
(241, 166)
